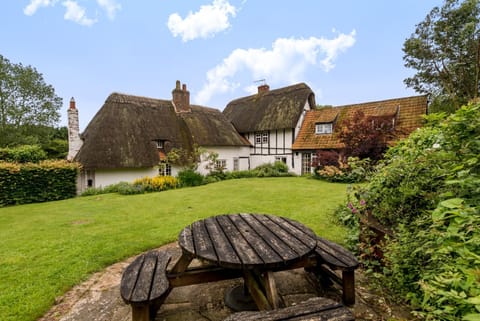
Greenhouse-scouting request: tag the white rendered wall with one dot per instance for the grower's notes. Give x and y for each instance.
(228, 154)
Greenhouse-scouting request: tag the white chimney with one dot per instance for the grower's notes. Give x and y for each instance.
(74, 140)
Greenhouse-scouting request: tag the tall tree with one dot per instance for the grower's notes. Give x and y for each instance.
(445, 51)
(26, 101)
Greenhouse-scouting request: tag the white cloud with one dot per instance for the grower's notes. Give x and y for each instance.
(76, 13)
(287, 61)
(34, 5)
(110, 6)
(206, 22)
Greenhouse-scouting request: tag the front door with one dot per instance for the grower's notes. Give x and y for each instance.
(306, 163)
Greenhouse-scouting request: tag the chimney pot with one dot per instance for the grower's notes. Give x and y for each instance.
(263, 88)
(72, 103)
(181, 98)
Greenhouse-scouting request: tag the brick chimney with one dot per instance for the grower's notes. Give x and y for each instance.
(74, 140)
(181, 98)
(263, 88)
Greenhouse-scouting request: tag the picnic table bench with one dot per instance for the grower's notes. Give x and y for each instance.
(318, 308)
(332, 256)
(145, 284)
(251, 246)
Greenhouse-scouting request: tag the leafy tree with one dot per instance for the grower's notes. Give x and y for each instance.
(27, 104)
(445, 51)
(365, 136)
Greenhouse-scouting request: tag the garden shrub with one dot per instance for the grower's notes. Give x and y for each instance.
(277, 169)
(33, 183)
(23, 154)
(155, 184)
(427, 192)
(189, 177)
(354, 171)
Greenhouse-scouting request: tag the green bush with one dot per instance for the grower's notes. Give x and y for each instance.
(427, 192)
(33, 183)
(23, 154)
(277, 169)
(189, 177)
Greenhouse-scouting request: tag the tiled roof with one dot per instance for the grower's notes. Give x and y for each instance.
(407, 111)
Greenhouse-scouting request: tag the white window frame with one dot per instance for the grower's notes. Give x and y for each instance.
(164, 169)
(261, 138)
(220, 164)
(159, 143)
(323, 128)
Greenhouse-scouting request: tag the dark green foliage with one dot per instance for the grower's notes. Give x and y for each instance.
(189, 177)
(33, 183)
(27, 104)
(427, 192)
(444, 52)
(277, 169)
(23, 154)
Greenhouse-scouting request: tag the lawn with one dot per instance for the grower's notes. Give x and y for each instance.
(47, 248)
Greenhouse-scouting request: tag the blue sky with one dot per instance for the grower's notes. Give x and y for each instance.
(347, 51)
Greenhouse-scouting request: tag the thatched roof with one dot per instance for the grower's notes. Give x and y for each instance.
(274, 109)
(408, 113)
(123, 132)
(209, 127)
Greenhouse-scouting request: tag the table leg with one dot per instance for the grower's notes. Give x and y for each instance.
(255, 288)
(271, 291)
(182, 263)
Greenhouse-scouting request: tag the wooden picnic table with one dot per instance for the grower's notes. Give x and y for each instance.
(254, 244)
(248, 246)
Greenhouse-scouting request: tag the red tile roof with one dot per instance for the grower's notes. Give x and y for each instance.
(408, 112)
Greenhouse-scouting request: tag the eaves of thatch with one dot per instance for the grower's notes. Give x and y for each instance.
(274, 109)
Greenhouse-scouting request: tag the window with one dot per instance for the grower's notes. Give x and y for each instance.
(383, 123)
(261, 138)
(220, 164)
(159, 143)
(165, 169)
(282, 159)
(236, 166)
(325, 128)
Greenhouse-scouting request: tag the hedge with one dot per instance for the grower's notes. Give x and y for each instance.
(33, 183)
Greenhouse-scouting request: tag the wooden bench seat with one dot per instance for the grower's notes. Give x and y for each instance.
(331, 256)
(318, 308)
(145, 284)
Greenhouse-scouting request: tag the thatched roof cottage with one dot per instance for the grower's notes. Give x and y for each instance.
(271, 120)
(130, 137)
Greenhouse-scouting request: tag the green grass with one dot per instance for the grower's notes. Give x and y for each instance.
(47, 248)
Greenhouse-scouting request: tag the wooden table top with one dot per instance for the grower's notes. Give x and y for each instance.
(248, 241)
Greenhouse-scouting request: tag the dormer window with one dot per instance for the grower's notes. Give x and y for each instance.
(323, 128)
(160, 143)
